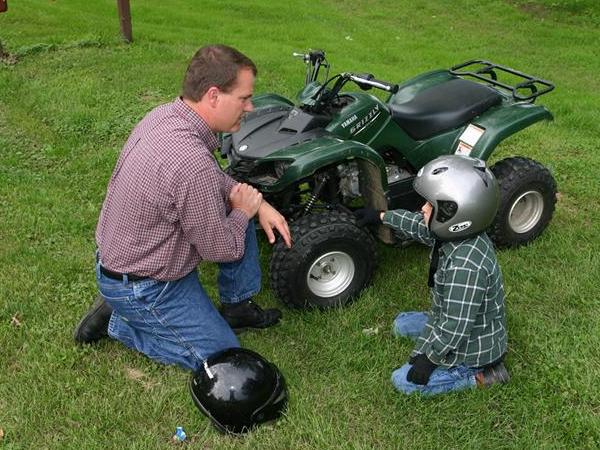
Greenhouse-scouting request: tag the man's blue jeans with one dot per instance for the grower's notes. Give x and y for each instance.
(175, 322)
(442, 380)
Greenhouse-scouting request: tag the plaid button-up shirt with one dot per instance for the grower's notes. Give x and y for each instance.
(467, 321)
(166, 207)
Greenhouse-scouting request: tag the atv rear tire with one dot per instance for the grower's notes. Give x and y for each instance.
(527, 200)
(330, 262)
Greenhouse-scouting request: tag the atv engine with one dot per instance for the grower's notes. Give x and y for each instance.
(349, 178)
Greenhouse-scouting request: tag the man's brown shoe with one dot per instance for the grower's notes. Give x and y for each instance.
(492, 375)
(94, 325)
(248, 314)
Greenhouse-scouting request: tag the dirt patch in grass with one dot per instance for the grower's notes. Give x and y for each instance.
(559, 10)
(533, 9)
(6, 57)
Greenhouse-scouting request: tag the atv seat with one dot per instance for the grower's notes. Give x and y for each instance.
(443, 107)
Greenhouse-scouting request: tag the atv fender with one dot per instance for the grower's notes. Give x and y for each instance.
(310, 157)
(318, 154)
(263, 100)
(504, 121)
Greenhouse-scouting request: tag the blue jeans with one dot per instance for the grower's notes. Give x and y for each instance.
(442, 380)
(175, 322)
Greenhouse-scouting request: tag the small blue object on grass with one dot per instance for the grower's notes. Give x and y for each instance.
(179, 434)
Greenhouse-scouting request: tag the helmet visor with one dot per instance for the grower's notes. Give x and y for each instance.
(446, 210)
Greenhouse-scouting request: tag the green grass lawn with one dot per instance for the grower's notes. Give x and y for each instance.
(70, 92)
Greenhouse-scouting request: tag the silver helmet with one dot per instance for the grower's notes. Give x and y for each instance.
(464, 195)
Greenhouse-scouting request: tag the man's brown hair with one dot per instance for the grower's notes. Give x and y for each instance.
(214, 65)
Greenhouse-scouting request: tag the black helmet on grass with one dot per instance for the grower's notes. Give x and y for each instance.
(464, 195)
(237, 389)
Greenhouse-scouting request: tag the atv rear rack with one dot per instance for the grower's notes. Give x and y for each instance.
(487, 71)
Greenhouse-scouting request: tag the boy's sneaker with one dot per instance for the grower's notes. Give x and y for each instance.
(94, 325)
(248, 314)
(492, 375)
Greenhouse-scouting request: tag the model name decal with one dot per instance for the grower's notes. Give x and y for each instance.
(362, 123)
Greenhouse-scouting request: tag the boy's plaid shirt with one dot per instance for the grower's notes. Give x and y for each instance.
(467, 321)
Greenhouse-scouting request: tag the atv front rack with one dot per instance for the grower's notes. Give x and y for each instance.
(488, 71)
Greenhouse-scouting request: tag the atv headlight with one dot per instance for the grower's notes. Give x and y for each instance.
(281, 167)
(266, 173)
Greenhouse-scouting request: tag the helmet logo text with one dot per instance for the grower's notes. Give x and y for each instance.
(458, 227)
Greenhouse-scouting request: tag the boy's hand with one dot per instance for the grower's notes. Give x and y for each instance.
(367, 216)
(421, 370)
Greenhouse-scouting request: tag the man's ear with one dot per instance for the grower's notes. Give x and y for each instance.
(212, 95)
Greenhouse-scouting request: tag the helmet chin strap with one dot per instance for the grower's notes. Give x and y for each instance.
(435, 259)
(207, 370)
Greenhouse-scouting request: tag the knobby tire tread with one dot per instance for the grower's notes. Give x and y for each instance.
(306, 232)
(510, 172)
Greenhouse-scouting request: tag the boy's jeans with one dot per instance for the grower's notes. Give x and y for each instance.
(442, 380)
(175, 322)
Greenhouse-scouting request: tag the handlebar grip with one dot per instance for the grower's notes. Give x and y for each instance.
(313, 57)
(317, 54)
(390, 87)
(369, 80)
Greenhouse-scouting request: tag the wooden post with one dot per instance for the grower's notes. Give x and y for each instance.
(124, 19)
(3, 6)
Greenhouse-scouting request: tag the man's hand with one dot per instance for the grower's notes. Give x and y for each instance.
(270, 218)
(421, 370)
(246, 198)
(368, 216)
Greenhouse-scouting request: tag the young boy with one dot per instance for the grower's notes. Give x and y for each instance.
(462, 340)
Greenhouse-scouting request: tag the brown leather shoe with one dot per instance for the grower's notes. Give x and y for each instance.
(247, 314)
(94, 325)
(492, 375)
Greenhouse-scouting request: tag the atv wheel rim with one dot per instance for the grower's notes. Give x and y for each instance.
(526, 212)
(331, 274)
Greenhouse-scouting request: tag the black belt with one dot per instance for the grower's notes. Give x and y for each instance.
(120, 276)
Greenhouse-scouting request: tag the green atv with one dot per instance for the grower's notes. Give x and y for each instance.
(337, 150)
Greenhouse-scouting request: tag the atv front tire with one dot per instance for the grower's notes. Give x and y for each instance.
(330, 262)
(527, 200)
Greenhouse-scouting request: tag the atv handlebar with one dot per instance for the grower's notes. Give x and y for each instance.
(322, 98)
(314, 60)
(311, 57)
(367, 81)
(325, 96)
